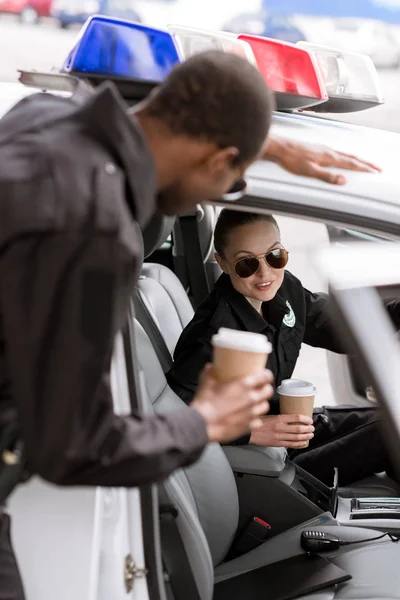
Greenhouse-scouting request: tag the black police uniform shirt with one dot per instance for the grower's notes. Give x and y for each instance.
(77, 185)
(293, 317)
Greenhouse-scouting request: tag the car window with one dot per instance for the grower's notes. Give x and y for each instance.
(341, 234)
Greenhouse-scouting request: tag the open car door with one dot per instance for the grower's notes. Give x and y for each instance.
(359, 276)
(344, 370)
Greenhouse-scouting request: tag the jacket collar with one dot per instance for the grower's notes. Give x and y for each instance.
(273, 311)
(105, 113)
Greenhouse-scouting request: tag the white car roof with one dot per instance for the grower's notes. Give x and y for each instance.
(375, 197)
(11, 93)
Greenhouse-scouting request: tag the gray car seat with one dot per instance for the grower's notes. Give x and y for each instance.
(169, 311)
(206, 497)
(163, 308)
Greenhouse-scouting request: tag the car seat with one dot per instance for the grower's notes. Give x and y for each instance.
(163, 309)
(206, 497)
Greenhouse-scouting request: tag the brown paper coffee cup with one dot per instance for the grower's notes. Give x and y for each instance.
(237, 354)
(296, 397)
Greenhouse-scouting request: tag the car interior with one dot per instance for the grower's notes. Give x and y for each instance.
(216, 497)
(213, 501)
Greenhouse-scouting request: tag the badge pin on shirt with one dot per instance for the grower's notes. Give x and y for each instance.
(290, 318)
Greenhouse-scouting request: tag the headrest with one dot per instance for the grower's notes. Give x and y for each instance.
(156, 233)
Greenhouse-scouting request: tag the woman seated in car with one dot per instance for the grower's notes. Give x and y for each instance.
(255, 293)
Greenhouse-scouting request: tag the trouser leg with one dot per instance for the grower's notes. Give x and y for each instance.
(353, 443)
(10, 580)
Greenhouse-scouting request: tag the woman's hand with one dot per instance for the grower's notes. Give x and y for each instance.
(287, 431)
(311, 160)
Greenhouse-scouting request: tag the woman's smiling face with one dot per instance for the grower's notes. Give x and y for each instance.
(253, 239)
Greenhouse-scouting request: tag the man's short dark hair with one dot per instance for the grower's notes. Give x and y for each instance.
(219, 97)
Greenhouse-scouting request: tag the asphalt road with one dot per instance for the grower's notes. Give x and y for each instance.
(45, 46)
(31, 47)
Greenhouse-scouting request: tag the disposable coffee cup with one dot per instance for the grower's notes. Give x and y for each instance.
(296, 397)
(237, 354)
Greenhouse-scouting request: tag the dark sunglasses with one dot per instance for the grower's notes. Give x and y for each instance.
(246, 267)
(237, 191)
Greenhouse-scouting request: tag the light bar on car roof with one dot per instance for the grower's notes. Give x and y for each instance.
(190, 41)
(119, 48)
(55, 82)
(351, 79)
(292, 72)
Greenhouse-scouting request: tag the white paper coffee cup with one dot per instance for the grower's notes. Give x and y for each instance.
(237, 354)
(297, 397)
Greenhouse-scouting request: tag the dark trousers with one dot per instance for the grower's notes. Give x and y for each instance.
(10, 579)
(352, 442)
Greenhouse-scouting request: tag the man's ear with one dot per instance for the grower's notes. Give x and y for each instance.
(221, 262)
(221, 159)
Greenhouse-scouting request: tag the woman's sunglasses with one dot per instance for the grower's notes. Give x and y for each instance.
(246, 267)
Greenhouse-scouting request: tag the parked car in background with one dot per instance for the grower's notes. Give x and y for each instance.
(367, 36)
(73, 12)
(28, 11)
(266, 25)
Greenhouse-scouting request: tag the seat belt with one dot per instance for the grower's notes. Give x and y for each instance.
(194, 259)
(174, 553)
(157, 341)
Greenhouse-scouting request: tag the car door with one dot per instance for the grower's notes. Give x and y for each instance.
(344, 370)
(85, 543)
(358, 277)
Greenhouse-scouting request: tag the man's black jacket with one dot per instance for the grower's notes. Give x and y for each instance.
(294, 316)
(77, 182)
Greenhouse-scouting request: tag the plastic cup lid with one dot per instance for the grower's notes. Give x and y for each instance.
(245, 341)
(296, 387)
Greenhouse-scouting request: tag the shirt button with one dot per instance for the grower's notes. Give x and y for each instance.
(110, 168)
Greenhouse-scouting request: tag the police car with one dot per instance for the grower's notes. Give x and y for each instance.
(105, 543)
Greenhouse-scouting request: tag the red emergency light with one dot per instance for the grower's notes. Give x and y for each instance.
(295, 77)
(293, 73)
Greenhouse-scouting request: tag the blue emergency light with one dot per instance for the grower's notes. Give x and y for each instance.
(119, 48)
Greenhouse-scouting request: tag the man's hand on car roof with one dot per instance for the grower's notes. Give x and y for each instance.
(311, 160)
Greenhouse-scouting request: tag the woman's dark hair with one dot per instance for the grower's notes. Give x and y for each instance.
(230, 219)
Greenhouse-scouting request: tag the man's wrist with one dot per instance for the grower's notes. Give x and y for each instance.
(277, 148)
(273, 149)
(203, 409)
(270, 149)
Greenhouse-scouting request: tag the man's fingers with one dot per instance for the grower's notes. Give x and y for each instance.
(350, 162)
(323, 174)
(267, 391)
(256, 424)
(260, 379)
(260, 409)
(207, 374)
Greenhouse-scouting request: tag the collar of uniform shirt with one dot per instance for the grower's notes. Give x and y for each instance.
(105, 112)
(252, 321)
